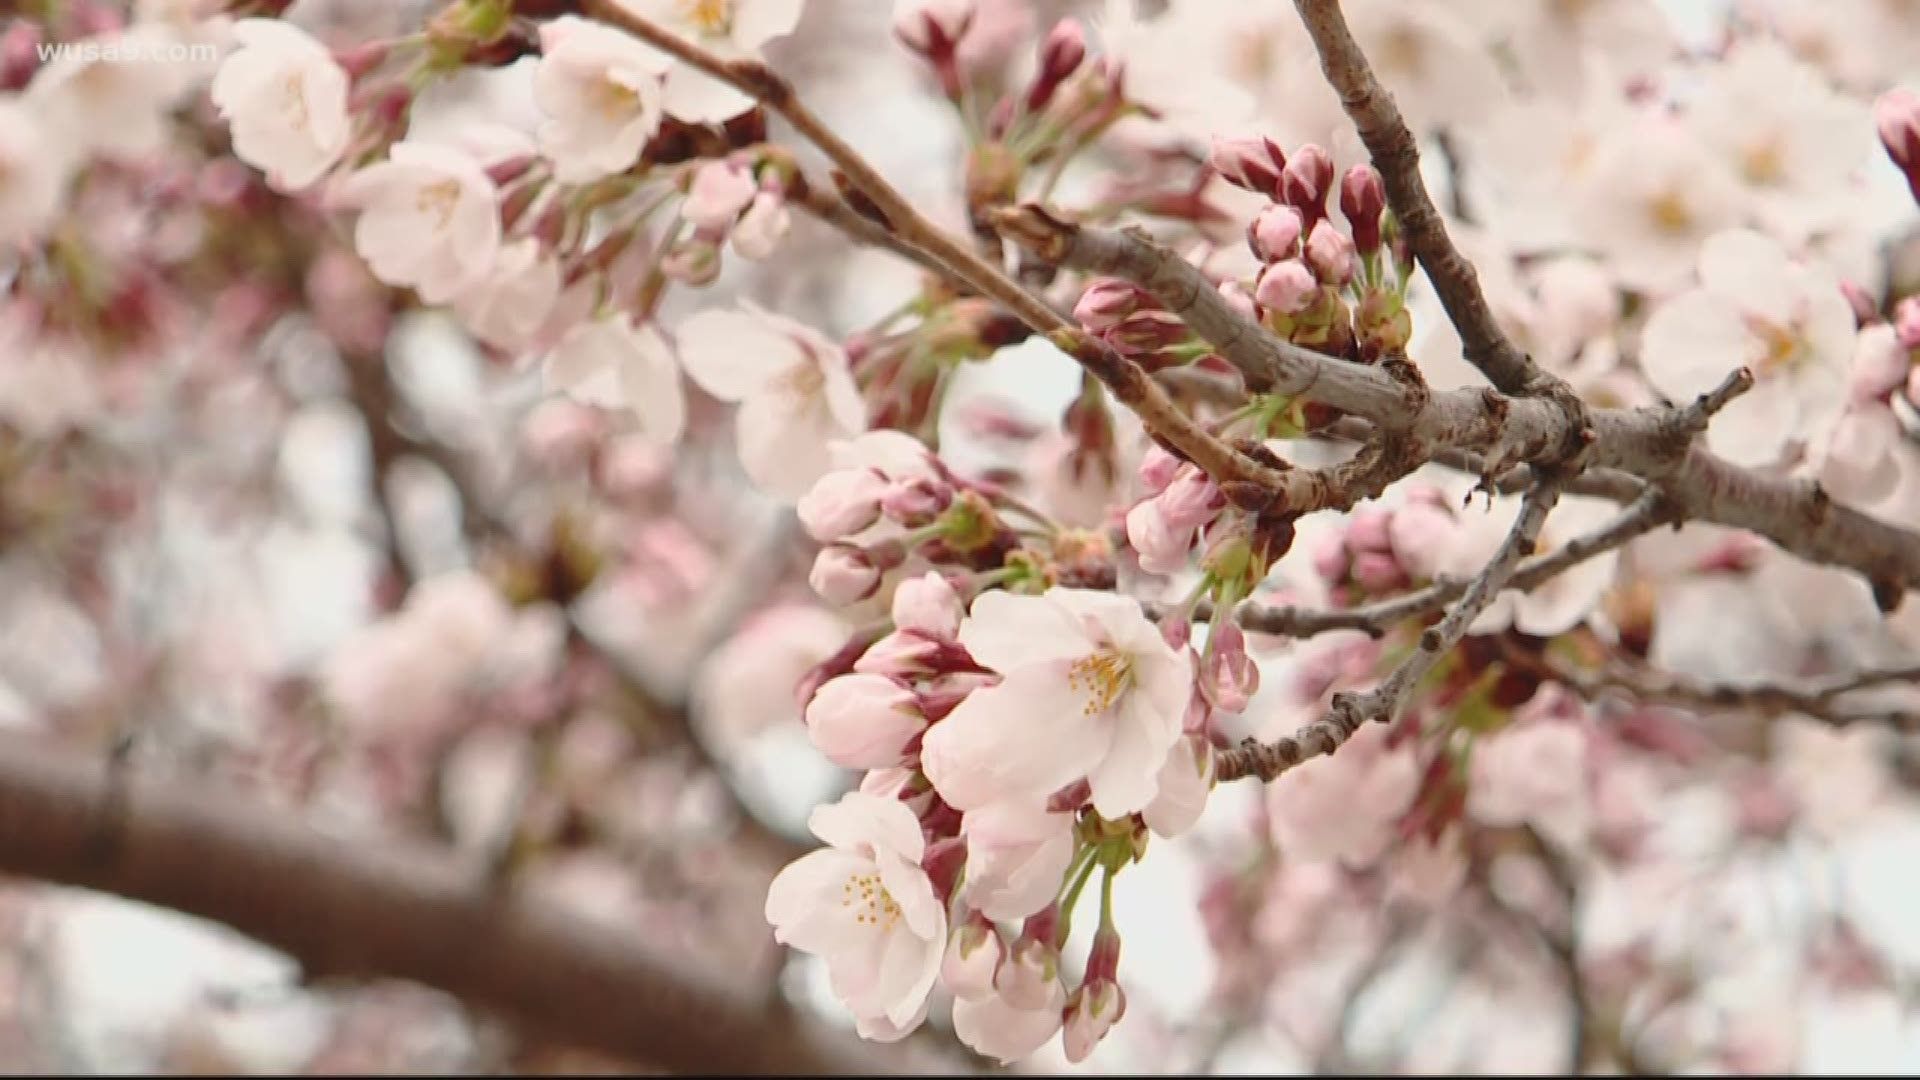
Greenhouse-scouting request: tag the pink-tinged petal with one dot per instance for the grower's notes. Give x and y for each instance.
(1024, 738)
(701, 99)
(844, 404)
(881, 1029)
(908, 967)
(992, 1027)
(1118, 617)
(733, 355)
(1756, 426)
(756, 22)
(1694, 341)
(1017, 854)
(650, 382)
(1750, 269)
(1128, 777)
(860, 822)
(784, 443)
(1005, 631)
(807, 889)
(910, 888)
(1184, 783)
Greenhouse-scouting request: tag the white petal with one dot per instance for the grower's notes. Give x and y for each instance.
(1694, 341)
(756, 22)
(1027, 737)
(784, 443)
(861, 822)
(1750, 269)
(650, 382)
(1128, 777)
(700, 99)
(1006, 630)
(733, 355)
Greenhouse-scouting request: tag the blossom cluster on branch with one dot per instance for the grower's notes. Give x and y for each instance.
(1440, 382)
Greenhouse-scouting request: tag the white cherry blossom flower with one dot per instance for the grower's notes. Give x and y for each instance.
(113, 97)
(866, 908)
(34, 165)
(731, 29)
(1004, 1032)
(796, 394)
(286, 100)
(600, 90)
(1790, 140)
(1090, 689)
(429, 219)
(610, 362)
(1785, 321)
(1651, 195)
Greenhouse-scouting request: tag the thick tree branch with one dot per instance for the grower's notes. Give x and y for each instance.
(1500, 431)
(344, 906)
(1349, 710)
(959, 262)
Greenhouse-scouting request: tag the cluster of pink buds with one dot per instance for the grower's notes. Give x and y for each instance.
(1382, 550)
(1339, 292)
(726, 200)
(1131, 320)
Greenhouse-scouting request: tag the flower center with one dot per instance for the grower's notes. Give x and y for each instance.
(872, 904)
(1784, 347)
(708, 16)
(1102, 676)
(1763, 162)
(612, 99)
(804, 381)
(293, 103)
(1669, 213)
(438, 199)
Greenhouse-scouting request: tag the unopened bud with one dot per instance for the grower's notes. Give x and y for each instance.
(843, 574)
(1363, 197)
(1251, 163)
(1287, 287)
(1274, 233)
(1105, 302)
(1060, 56)
(1146, 332)
(1306, 182)
(1897, 115)
(1330, 254)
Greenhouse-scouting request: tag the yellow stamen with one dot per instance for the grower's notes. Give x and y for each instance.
(1103, 677)
(872, 904)
(714, 17)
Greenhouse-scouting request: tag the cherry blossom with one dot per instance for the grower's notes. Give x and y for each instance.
(730, 29)
(33, 172)
(864, 906)
(514, 303)
(796, 396)
(1090, 690)
(1756, 308)
(287, 101)
(613, 363)
(1000, 1030)
(1016, 857)
(601, 92)
(429, 219)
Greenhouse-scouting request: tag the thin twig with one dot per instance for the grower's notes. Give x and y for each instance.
(1820, 700)
(1383, 703)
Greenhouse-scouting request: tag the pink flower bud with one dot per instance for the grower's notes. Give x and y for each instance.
(1145, 332)
(902, 654)
(720, 190)
(973, 957)
(927, 604)
(864, 721)
(1422, 533)
(1330, 254)
(1367, 530)
(1274, 233)
(1161, 547)
(1250, 163)
(916, 501)
(1287, 287)
(1105, 302)
(843, 574)
(20, 54)
(1232, 676)
(933, 28)
(1906, 322)
(1330, 560)
(1177, 633)
(1191, 500)
(760, 230)
(1157, 469)
(1865, 311)
(1092, 1011)
(1377, 571)
(1363, 197)
(841, 503)
(1880, 364)
(1027, 977)
(1897, 115)
(1060, 56)
(1306, 182)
